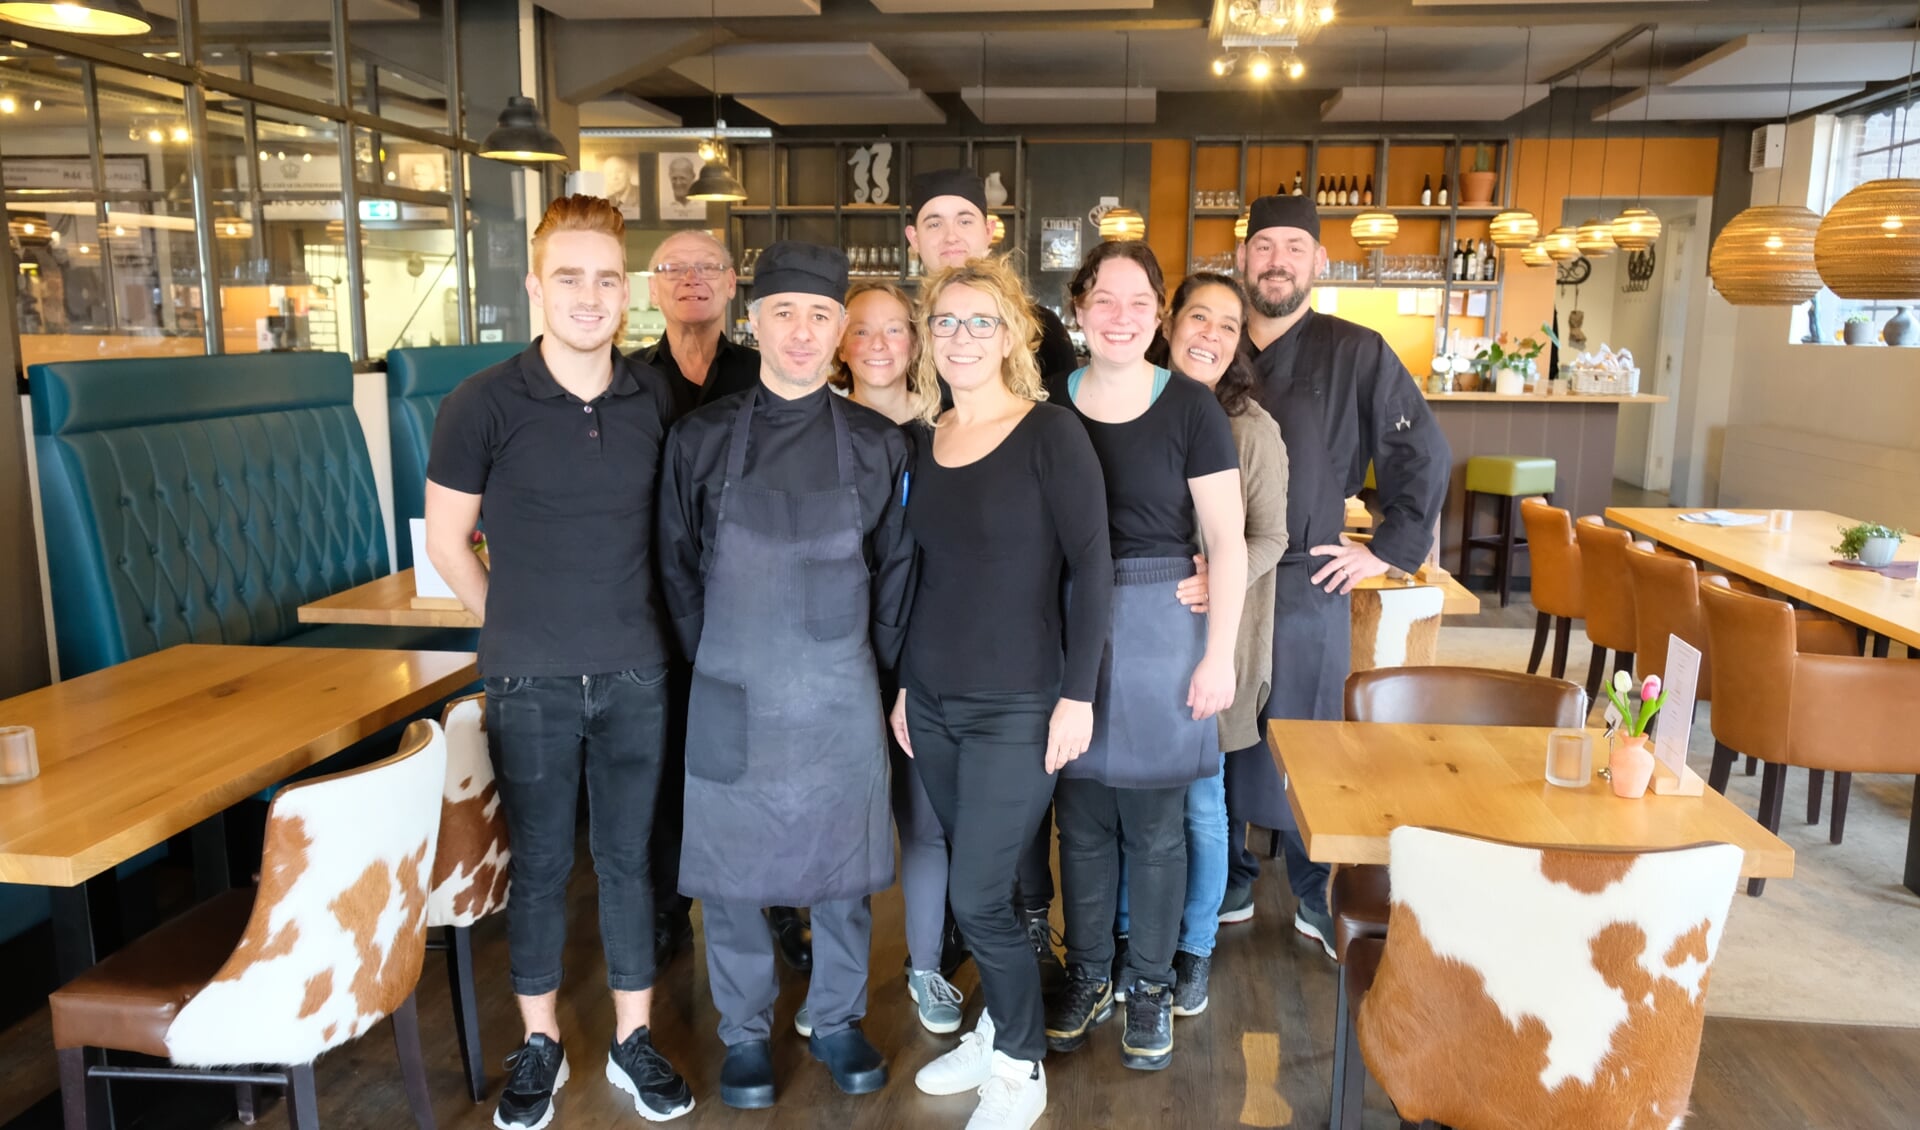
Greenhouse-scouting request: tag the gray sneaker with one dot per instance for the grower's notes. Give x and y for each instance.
(939, 1002)
(1237, 906)
(1315, 924)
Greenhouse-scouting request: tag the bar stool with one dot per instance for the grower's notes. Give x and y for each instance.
(1511, 477)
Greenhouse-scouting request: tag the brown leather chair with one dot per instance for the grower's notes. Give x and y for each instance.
(1790, 691)
(1359, 898)
(1666, 602)
(1558, 593)
(1609, 592)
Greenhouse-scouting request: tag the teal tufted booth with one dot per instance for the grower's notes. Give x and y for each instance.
(417, 380)
(203, 500)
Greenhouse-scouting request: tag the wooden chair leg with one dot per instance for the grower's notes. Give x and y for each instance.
(1562, 638)
(1753, 765)
(1773, 788)
(1466, 534)
(466, 1009)
(1816, 785)
(1723, 759)
(1503, 565)
(1880, 644)
(303, 1099)
(1596, 670)
(1842, 785)
(413, 1067)
(1541, 622)
(1349, 1071)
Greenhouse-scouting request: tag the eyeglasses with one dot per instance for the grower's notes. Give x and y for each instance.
(978, 326)
(705, 271)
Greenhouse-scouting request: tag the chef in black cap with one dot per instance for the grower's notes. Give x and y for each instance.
(1343, 400)
(786, 567)
(951, 225)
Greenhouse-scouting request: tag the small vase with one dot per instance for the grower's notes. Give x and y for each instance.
(1900, 329)
(1858, 333)
(1509, 382)
(1630, 767)
(996, 191)
(1878, 552)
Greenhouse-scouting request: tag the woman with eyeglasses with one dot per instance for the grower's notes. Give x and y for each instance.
(1173, 477)
(1006, 502)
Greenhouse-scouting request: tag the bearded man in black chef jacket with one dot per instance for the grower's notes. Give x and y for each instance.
(1343, 400)
(787, 568)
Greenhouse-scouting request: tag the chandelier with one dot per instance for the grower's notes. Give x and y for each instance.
(1297, 20)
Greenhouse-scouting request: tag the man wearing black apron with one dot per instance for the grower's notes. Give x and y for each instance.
(1343, 400)
(787, 569)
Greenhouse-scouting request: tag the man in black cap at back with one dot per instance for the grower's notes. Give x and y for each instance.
(1343, 400)
(787, 568)
(951, 225)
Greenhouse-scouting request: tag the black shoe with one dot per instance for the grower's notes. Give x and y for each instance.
(1053, 975)
(672, 936)
(791, 937)
(1190, 974)
(537, 1070)
(1120, 978)
(1147, 1044)
(746, 1078)
(637, 1067)
(953, 949)
(857, 1066)
(1084, 1003)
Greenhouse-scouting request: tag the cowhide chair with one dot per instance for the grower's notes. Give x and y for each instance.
(1521, 987)
(249, 988)
(1396, 626)
(469, 869)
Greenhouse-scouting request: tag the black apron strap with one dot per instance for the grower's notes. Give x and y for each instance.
(842, 441)
(736, 451)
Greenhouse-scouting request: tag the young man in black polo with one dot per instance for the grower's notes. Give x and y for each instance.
(559, 449)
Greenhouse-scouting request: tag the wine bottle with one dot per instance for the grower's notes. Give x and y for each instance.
(1426, 191)
(1442, 198)
(1353, 193)
(1473, 262)
(1459, 261)
(1297, 190)
(1366, 194)
(1488, 261)
(1320, 192)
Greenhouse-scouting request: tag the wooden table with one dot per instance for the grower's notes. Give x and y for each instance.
(386, 602)
(1353, 783)
(160, 745)
(1358, 516)
(1794, 563)
(1460, 601)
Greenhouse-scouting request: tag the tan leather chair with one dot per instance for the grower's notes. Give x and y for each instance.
(1359, 898)
(1666, 602)
(1558, 593)
(1609, 591)
(1780, 700)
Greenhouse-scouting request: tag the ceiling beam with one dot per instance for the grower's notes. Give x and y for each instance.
(604, 55)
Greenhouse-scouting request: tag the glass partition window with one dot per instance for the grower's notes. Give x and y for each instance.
(1884, 143)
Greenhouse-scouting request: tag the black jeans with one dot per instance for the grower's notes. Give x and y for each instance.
(1095, 820)
(541, 731)
(1036, 866)
(669, 809)
(983, 759)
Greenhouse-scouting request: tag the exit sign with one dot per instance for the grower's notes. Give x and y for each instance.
(379, 210)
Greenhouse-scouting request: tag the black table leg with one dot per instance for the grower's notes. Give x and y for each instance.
(86, 924)
(1913, 842)
(212, 873)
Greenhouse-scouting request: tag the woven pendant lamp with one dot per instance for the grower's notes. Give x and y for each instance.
(1516, 228)
(1635, 229)
(1764, 256)
(1595, 238)
(1868, 246)
(1240, 224)
(1374, 230)
(1123, 224)
(1562, 244)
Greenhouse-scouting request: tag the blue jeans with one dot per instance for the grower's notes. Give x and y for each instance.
(1206, 867)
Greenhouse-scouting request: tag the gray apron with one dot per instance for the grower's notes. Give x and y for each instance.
(786, 748)
(1312, 652)
(1144, 734)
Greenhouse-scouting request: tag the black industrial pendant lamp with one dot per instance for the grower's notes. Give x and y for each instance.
(522, 136)
(81, 17)
(716, 182)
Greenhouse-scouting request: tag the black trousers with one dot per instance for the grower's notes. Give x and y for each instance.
(983, 759)
(669, 812)
(1095, 820)
(1036, 866)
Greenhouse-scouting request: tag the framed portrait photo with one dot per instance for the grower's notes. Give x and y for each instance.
(678, 171)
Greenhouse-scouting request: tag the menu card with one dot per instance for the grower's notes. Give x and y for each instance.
(1673, 727)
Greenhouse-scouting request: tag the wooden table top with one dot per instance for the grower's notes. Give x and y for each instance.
(1358, 516)
(386, 602)
(1353, 783)
(1794, 563)
(138, 752)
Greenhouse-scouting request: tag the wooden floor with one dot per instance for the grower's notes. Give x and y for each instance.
(1259, 1057)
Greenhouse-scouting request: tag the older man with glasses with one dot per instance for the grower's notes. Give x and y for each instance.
(692, 283)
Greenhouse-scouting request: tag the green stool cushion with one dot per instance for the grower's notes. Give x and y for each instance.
(1515, 476)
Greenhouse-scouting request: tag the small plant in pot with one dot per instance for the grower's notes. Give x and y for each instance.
(1476, 187)
(1859, 330)
(1869, 543)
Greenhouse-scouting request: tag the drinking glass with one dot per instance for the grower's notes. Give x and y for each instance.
(1779, 521)
(1569, 759)
(19, 759)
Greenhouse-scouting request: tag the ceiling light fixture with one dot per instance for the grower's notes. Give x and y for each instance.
(1371, 229)
(521, 137)
(1517, 228)
(81, 17)
(1259, 66)
(1868, 246)
(716, 182)
(1124, 223)
(1223, 64)
(1636, 228)
(1296, 68)
(1596, 235)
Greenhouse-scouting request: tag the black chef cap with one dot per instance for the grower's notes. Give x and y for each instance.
(964, 183)
(1284, 212)
(792, 267)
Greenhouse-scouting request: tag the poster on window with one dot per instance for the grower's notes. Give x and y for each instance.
(1060, 243)
(678, 171)
(424, 171)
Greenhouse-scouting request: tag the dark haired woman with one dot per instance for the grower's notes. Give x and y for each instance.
(1172, 476)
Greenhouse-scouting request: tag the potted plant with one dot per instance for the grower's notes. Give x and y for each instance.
(1476, 187)
(1859, 330)
(1869, 543)
(1630, 765)
(1509, 364)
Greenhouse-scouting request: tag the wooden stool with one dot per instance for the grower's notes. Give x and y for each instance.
(1511, 477)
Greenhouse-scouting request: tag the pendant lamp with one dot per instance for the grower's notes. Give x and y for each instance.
(1595, 238)
(1373, 230)
(1562, 244)
(80, 17)
(1240, 224)
(521, 137)
(1637, 228)
(1516, 228)
(1124, 223)
(1868, 245)
(1535, 255)
(716, 182)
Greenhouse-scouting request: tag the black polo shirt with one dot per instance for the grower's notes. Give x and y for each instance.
(567, 492)
(736, 368)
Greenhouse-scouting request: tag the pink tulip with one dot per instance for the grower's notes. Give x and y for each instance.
(1650, 689)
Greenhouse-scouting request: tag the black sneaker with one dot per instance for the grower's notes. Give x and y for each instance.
(1147, 1044)
(1082, 1004)
(1053, 974)
(1190, 983)
(535, 1072)
(1237, 906)
(637, 1067)
(1120, 978)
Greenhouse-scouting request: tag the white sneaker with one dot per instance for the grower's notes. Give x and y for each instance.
(965, 1068)
(1014, 1097)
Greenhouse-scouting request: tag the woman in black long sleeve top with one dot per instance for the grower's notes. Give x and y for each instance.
(1006, 499)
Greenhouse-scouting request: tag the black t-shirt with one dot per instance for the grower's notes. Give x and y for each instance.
(1147, 461)
(1055, 353)
(735, 368)
(566, 490)
(995, 538)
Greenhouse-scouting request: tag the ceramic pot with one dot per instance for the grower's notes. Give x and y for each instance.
(1878, 552)
(1630, 767)
(1509, 382)
(1859, 333)
(1901, 329)
(996, 191)
(1468, 381)
(1476, 189)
